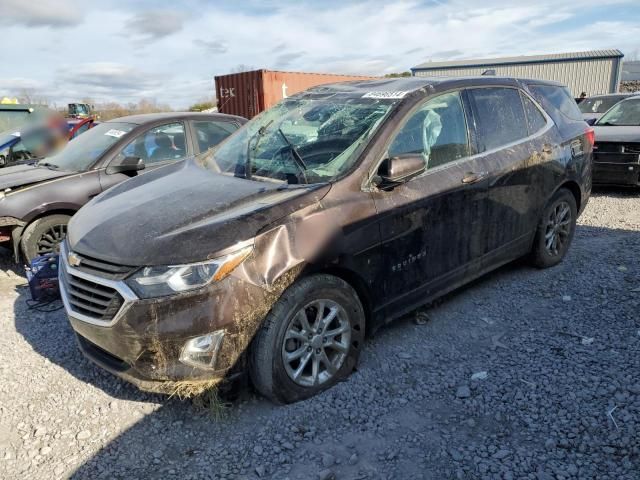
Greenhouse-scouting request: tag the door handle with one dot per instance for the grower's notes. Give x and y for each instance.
(473, 177)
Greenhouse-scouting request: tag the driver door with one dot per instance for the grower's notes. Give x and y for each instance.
(432, 227)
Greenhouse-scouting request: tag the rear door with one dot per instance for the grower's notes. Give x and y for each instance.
(432, 226)
(513, 149)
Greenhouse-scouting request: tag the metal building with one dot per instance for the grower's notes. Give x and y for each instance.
(593, 72)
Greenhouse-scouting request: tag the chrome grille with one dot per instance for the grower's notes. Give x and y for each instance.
(90, 297)
(103, 268)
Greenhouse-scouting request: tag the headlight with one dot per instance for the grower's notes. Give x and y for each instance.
(166, 280)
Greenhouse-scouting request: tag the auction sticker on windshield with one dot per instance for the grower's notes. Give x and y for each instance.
(396, 94)
(115, 133)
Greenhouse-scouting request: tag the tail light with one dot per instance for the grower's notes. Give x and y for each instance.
(591, 136)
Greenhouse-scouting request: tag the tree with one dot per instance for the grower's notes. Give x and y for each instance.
(202, 105)
(398, 75)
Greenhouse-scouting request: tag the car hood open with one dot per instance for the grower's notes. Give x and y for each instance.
(179, 214)
(617, 134)
(18, 176)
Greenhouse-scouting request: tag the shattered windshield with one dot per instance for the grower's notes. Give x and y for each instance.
(305, 139)
(625, 113)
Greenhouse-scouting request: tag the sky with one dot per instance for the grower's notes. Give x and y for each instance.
(114, 50)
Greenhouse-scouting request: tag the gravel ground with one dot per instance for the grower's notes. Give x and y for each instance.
(523, 374)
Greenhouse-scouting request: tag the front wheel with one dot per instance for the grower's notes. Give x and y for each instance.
(43, 236)
(555, 230)
(309, 341)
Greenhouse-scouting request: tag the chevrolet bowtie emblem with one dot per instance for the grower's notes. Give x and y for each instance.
(74, 260)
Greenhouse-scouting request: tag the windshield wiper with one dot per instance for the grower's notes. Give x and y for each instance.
(296, 156)
(259, 134)
(48, 165)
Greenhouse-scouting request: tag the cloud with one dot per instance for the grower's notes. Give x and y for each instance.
(101, 78)
(155, 24)
(285, 59)
(212, 46)
(40, 13)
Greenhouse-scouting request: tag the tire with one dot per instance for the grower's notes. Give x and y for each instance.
(43, 236)
(282, 333)
(554, 224)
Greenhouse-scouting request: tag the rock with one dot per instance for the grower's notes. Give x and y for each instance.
(258, 450)
(479, 376)
(500, 454)
(83, 435)
(326, 475)
(456, 455)
(260, 471)
(566, 298)
(586, 340)
(40, 432)
(328, 460)
(405, 356)
(353, 459)
(463, 392)
(45, 450)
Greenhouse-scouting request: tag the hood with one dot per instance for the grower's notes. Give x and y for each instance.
(181, 213)
(617, 134)
(18, 176)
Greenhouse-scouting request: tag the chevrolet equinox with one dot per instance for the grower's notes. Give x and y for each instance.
(337, 210)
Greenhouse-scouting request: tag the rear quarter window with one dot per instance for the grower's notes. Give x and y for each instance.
(559, 98)
(535, 119)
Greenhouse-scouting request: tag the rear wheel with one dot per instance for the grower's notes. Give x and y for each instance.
(309, 341)
(555, 230)
(43, 236)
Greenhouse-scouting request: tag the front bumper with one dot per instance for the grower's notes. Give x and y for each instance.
(616, 169)
(142, 341)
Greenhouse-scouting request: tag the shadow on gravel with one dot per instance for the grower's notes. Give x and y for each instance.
(181, 433)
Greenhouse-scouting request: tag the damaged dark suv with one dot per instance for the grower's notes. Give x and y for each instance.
(337, 210)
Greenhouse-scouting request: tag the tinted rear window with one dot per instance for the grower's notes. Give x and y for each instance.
(559, 98)
(499, 116)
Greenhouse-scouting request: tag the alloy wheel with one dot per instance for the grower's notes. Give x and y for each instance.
(49, 241)
(558, 229)
(316, 343)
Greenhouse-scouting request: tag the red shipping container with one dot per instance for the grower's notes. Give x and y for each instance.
(249, 93)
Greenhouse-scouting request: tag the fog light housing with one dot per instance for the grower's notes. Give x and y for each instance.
(202, 351)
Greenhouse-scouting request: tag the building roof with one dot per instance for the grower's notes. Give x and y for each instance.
(630, 71)
(554, 57)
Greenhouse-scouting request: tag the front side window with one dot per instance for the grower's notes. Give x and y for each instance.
(625, 113)
(308, 138)
(159, 144)
(438, 130)
(499, 116)
(210, 133)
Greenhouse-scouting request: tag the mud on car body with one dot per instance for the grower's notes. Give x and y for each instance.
(336, 211)
(38, 199)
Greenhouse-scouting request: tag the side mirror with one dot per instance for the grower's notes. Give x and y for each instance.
(592, 121)
(400, 169)
(125, 165)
